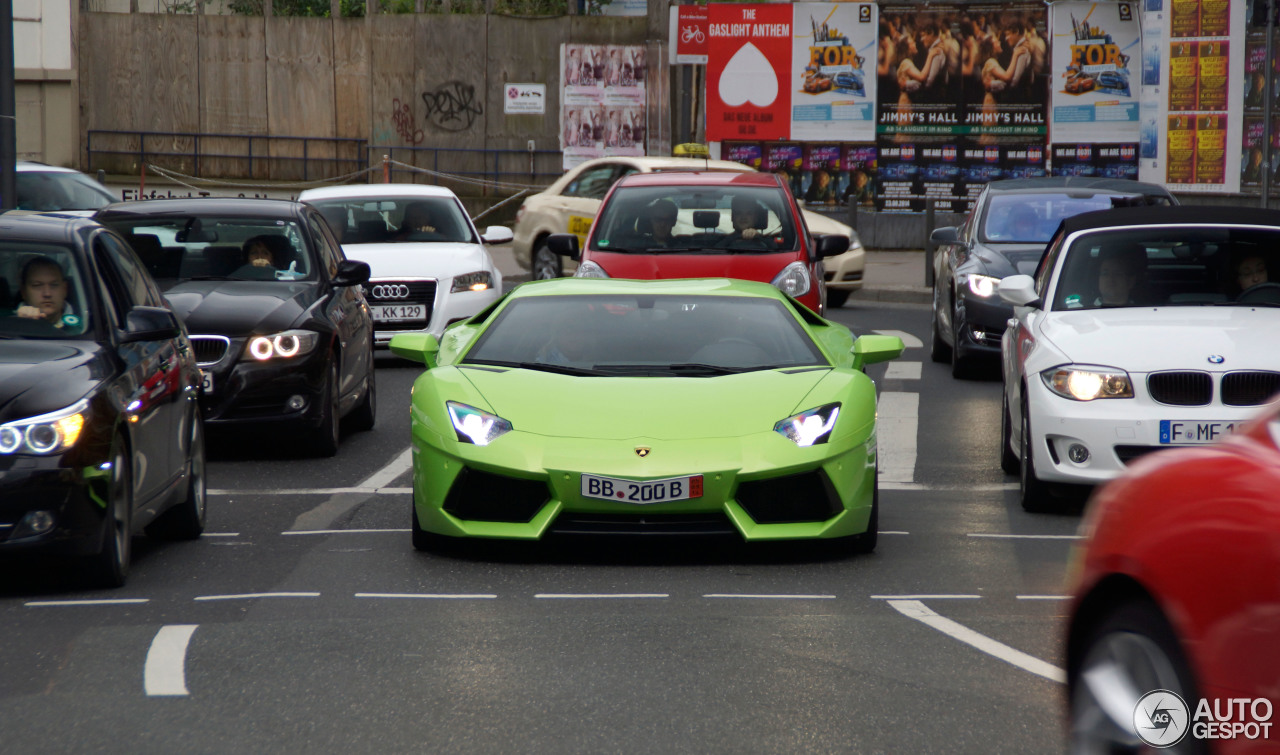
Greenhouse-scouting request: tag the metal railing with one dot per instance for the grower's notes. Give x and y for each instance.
(493, 171)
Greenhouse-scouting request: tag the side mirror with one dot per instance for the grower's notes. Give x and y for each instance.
(417, 347)
(565, 245)
(946, 235)
(351, 273)
(150, 324)
(872, 349)
(830, 245)
(497, 234)
(1018, 290)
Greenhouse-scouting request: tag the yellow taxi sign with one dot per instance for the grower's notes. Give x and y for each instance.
(692, 149)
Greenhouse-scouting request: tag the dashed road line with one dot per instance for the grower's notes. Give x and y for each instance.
(936, 596)
(100, 602)
(220, 534)
(891, 485)
(165, 671)
(768, 597)
(256, 595)
(897, 416)
(1043, 597)
(427, 596)
(343, 532)
(903, 371)
(596, 596)
(999, 536)
(908, 340)
(914, 609)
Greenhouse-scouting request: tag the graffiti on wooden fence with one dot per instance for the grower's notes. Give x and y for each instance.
(452, 106)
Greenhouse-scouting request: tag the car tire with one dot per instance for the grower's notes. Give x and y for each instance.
(186, 520)
(939, 351)
(865, 542)
(836, 297)
(109, 567)
(1132, 646)
(365, 415)
(1035, 496)
(327, 436)
(428, 542)
(546, 264)
(1008, 459)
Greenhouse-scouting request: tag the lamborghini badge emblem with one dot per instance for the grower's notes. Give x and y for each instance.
(642, 451)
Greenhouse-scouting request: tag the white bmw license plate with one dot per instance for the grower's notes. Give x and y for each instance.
(642, 491)
(398, 312)
(1175, 432)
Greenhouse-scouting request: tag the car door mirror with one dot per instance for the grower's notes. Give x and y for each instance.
(565, 245)
(945, 235)
(872, 349)
(351, 273)
(830, 244)
(417, 347)
(497, 234)
(1018, 290)
(150, 324)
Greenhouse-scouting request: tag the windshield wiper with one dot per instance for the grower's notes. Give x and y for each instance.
(210, 278)
(560, 369)
(684, 368)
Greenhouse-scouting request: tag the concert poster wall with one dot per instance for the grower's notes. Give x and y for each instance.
(1097, 160)
(850, 169)
(602, 99)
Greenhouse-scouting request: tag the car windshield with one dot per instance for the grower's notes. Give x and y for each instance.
(364, 220)
(1171, 266)
(1032, 218)
(730, 219)
(218, 248)
(42, 292)
(51, 191)
(649, 335)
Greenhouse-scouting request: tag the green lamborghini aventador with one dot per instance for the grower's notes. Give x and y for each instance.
(582, 405)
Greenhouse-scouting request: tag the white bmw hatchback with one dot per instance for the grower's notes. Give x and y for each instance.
(1143, 329)
(429, 263)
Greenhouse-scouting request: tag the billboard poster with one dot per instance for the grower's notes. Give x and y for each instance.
(833, 45)
(602, 97)
(858, 162)
(1201, 102)
(1098, 160)
(748, 71)
(1095, 57)
(687, 36)
(785, 160)
(747, 153)
(821, 174)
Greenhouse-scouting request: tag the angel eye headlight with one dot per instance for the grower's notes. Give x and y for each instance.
(982, 285)
(286, 345)
(477, 281)
(809, 428)
(45, 434)
(475, 426)
(1087, 384)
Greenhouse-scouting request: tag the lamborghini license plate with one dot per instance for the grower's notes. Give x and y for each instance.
(642, 491)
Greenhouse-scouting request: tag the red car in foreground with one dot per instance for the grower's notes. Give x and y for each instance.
(1174, 637)
(705, 225)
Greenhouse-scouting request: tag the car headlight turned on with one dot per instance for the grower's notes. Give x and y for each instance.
(1088, 383)
(590, 269)
(982, 285)
(46, 434)
(793, 280)
(475, 426)
(286, 345)
(477, 281)
(811, 427)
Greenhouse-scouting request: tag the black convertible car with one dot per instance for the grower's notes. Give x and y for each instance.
(100, 432)
(276, 314)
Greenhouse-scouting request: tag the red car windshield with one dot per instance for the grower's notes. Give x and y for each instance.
(728, 219)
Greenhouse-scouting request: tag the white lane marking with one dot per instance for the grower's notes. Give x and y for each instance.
(770, 597)
(102, 602)
(220, 534)
(926, 597)
(897, 415)
(426, 596)
(908, 340)
(559, 595)
(337, 532)
(945, 488)
(914, 609)
(391, 471)
(894, 532)
(1043, 597)
(165, 672)
(903, 371)
(995, 536)
(313, 491)
(253, 595)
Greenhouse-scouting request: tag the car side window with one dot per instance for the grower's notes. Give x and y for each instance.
(1047, 262)
(594, 183)
(126, 279)
(329, 254)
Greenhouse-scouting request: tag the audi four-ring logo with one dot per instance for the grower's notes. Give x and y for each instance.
(391, 291)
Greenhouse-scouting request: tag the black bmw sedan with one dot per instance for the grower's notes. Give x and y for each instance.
(1005, 234)
(276, 314)
(97, 381)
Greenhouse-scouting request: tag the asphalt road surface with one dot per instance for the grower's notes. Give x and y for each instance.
(304, 620)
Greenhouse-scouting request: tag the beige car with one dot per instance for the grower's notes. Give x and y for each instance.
(570, 205)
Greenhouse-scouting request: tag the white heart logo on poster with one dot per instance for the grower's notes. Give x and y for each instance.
(748, 77)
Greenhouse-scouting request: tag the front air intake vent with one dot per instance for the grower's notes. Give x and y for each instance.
(487, 497)
(805, 497)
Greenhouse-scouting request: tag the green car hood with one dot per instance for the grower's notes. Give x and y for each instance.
(660, 408)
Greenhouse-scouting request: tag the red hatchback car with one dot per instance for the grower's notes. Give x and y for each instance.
(705, 225)
(1176, 594)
